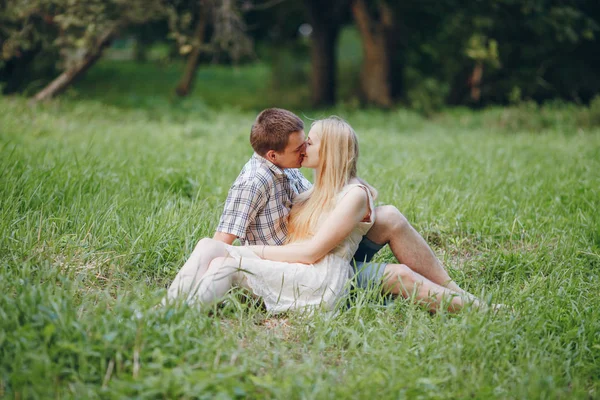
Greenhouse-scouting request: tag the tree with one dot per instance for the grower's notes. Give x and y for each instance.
(482, 51)
(227, 34)
(376, 29)
(26, 44)
(525, 46)
(191, 45)
(78, 30)
(78, 68)
(326, 19)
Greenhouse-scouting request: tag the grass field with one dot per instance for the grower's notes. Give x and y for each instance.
(103, 195)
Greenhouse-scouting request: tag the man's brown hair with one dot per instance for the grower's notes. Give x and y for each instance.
(272, 130)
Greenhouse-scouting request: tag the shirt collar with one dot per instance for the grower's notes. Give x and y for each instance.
(274, 168)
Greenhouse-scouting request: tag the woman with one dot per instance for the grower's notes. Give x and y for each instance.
(325, 227)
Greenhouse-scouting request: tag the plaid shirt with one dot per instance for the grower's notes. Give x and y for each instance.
(259, 202)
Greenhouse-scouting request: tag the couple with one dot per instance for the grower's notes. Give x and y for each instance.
(303, 256)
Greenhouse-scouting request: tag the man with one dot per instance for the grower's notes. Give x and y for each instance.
(261, 197)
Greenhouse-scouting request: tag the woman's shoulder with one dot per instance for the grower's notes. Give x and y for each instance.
(355, 190)
(356, 183)
(357, 196)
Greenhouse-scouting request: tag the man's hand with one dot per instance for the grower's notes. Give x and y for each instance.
(227, 238)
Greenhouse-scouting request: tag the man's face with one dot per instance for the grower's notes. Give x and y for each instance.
(292, 155)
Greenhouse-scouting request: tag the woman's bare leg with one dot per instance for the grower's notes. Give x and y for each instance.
(402, 280)
(195, 267)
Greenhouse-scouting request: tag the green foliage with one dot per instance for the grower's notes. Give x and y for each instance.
(544, 48)
(227, 34)
(590, 116)
(350, 57)
(43, 36)
(427, 95)
(67, 24)
(529, 116)
(290, 65)
(479, 48)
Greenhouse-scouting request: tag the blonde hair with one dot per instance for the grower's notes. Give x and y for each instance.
(338, 157)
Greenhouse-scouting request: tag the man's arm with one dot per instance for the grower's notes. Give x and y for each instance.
(338, 225)
(227, 238)
(244, 201)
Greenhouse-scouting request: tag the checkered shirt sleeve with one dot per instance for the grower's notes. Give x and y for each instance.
(244, 201)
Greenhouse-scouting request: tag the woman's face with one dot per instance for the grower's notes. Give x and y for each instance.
(313, 144)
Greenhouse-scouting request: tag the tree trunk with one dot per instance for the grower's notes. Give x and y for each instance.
(325, 20)
(61, 82)
(375, 74)
(475, 82)
(187, 80)
(323, 66)
(396, 48)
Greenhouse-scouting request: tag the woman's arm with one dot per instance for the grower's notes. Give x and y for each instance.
(351, 210)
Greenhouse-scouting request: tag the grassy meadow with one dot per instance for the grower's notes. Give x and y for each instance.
(105, 191)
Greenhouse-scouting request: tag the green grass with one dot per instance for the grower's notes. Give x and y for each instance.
(128, 84)
(103, 195)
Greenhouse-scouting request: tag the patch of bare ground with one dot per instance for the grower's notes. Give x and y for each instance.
(278, 327)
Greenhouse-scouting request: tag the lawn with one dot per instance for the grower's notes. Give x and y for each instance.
(105, 192)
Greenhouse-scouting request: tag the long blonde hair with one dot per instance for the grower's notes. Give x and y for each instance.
(338, 156)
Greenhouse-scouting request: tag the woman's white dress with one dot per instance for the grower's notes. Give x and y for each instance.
(285, 286)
